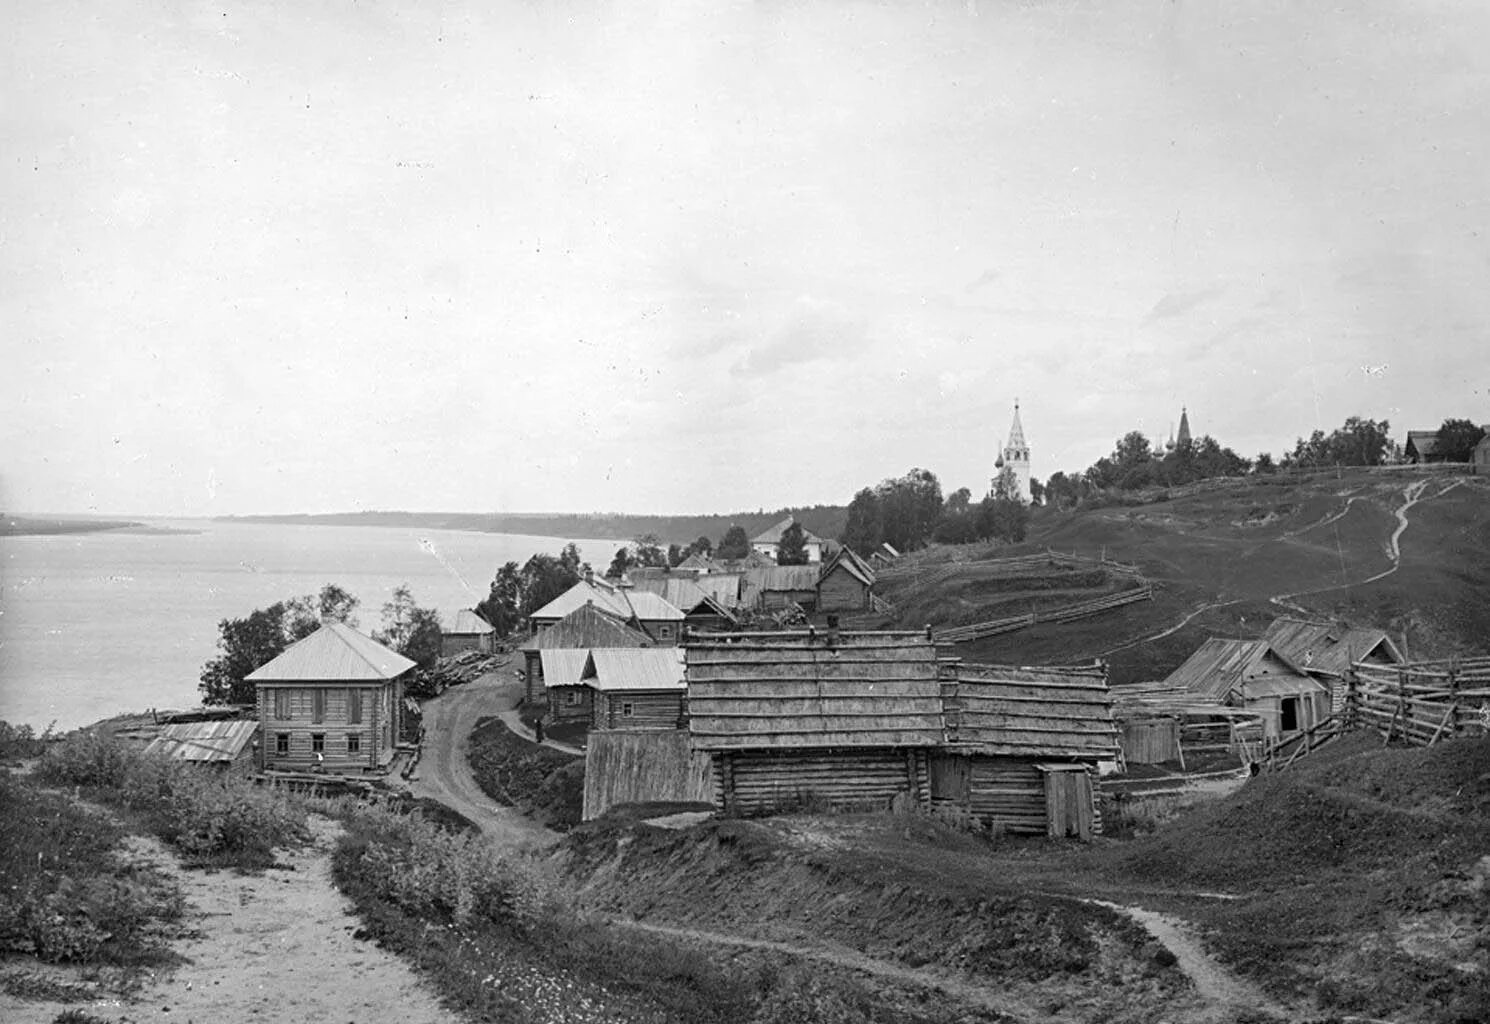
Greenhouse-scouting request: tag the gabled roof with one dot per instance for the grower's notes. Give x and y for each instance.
(1033, 712)
(784, 577)
(648, 668)
(563, 666)
(685, 594)
(597, 592)
(773, 535)
(587, 626)
(793, 691)
(336, 652)
(1320, 648)
(466, 621)
(1424, 442)
(1484, 445)
(649, 607)
(204, 741)
(1219, 667)
(853, 565)
(697, 562)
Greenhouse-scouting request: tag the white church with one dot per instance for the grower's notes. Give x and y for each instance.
(1015, 457)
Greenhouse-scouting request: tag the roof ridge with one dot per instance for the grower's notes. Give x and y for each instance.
(356, 649)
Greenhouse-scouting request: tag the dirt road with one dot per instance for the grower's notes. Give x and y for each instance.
(444, 773)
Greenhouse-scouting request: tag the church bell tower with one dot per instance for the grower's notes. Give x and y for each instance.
(1016, 456)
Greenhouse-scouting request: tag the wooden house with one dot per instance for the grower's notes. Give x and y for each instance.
(846, 584)
(588, 626)
(769, 542)
(1023, 746)
(644, 611)
(331, 701)
(797, 719)
(1250, 674)
(1479, 460)
(778, 586)
(468, 631)
(228, 746)
(700, 608)
(636, 688)
(1326, 652)
(570, 698)
(1422, 447)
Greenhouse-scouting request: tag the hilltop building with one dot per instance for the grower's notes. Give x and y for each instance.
(1183, 439)
(1015, 456)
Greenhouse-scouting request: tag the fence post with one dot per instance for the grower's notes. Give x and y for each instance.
(1453, 719)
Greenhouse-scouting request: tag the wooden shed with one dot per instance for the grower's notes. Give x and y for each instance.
(467, 632)
(1023, 746)
(1250, 674)
(586, 627)
(807, 719)
(1325, 651)
(776, 587)
(1422, 447)
(229, 746)
(1479, 459)
(636, 688)
(332, 701)
(846, 584)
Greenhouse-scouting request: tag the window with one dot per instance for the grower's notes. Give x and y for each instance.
(664, 632)
(571, 698)
(354, 707)
(627, 709)
(317, 742)
(354, 742)
(281, 743)
(282, 704)
(318, 706)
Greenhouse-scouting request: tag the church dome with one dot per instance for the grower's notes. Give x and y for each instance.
(998, 463)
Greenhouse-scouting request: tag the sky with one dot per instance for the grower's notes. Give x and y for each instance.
(677, 257)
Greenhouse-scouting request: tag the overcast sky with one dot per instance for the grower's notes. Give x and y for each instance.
(275, 257)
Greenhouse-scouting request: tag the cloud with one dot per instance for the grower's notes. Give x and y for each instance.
(814, 331)
(984, 279)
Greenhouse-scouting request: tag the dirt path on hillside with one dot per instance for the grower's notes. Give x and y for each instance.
(444, 771)
(276, 946)
(1223, 992)
(841, 956)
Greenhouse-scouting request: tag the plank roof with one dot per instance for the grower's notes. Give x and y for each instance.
(1008, 711)
(1219, 667)
(597, 592)
(796, 691)
(334, 653)
(1321, 648)
(204, 741)
(467, 622)
(1424, 442)
(587, 626)
(563, 666)
(852, 564)
(632, 668)
(685, 594)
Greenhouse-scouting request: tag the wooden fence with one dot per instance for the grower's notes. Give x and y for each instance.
(629, 767)
(1422, 702)
(1063, 613)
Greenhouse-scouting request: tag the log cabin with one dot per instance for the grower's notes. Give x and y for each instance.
(805, 719)
(776, 587)
(700, 607)
(1023, 746)
(570, 698)
(637, 688)
(332, 701)
(643, 611)
(586, 627)
(468, 632)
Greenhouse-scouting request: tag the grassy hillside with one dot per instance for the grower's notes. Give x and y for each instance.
(1226, 557)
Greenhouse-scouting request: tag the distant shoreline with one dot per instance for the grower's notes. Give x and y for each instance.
(32, 526)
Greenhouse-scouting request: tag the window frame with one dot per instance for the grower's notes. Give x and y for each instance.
(284, 705)
(281, 744)
(317, 706)
(354, 706)
(318, 743)
(354, 743)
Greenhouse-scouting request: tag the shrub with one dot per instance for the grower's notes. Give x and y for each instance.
(21, 741)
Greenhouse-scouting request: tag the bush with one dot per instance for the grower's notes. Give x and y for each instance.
(21, 741)
(218, 818)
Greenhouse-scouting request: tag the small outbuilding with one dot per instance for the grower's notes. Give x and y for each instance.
(332, 701)
(1326, 651)
(228, 746)
(1480, 459)
(846, 584)
(570, 699)
(468, 632)
(1250, 674)
(1422, 447)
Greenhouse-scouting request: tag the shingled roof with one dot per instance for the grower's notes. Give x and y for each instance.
(1221, 668)
(1032, 712)
(794, 691)
(334, 653)
(204, 741)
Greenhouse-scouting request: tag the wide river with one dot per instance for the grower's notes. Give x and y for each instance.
(98, 623)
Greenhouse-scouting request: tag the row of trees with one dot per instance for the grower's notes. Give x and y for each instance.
(907, 511)
(246, 644)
